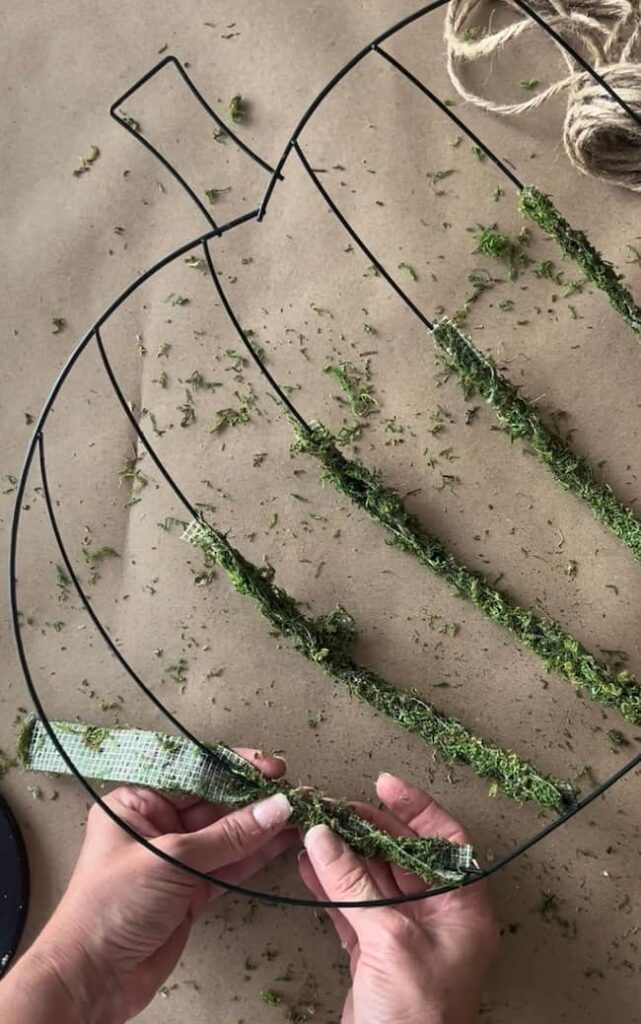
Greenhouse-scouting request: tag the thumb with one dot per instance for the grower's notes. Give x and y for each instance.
(345, 877)
(230, 839)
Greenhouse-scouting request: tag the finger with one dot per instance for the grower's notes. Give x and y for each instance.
(231, 839)
(238, 873)
(379, 870)
(199, 813)
(418, 810)
(404, 882)
(272, 767)
(344, 877)
(344, 930)
(251, 865)
(151, 814)
(422, 814)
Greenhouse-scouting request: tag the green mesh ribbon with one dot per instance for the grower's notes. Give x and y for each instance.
(578, 248)
(173, 764)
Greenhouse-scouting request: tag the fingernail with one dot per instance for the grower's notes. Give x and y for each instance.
(274, 810)
(323, 845)
(385, 775)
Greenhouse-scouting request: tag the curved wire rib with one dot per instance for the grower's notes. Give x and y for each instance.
(331, 85)
(443, 107)
(284, 398)
(157, 461)
(126, 293)
(100, 627)
(359, 241)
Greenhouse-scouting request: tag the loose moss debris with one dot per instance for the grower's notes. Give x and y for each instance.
(94, 555)
(86, 160)
(409, 269)
(63, 583)
(558, 649)
(271, 998)
(481, 281)
(212, 194)
(228, 418)
(130, 121)
(545, 269)
(237, 109)
(58, 324)
(356, 386)
(324, 641)
(498, 246)
(187, 410)
(575, 244)
(519, 418)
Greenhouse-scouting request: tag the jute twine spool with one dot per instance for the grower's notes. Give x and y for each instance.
(600, 138)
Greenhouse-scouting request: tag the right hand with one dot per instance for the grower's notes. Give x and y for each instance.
(422, 962)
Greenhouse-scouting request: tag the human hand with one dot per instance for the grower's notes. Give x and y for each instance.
(422, 962)
(125, 917)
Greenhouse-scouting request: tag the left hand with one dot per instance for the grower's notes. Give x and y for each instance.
(126, 915)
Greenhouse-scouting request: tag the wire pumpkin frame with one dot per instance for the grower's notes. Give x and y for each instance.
(36, 451)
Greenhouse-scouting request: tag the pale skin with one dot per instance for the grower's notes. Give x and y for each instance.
(125, 918)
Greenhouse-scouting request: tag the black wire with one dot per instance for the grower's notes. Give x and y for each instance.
(359, 241)
(333, 82)
(571, 50)
(37, 440)
(443, 107)
(122, 121)
(103, 631)
(283, 396)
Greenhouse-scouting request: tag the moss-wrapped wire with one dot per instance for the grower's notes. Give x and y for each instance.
(576, 245)
(559, 650)
(519, 418)
(433, 859)
(324, 641)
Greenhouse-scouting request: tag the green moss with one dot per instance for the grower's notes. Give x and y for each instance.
(94, 736)
(518, 417)
(325, 640)
(575, 244)
(23, 743)
(356, 386)
(228, 418)
(498, 246)
(94, 555)
(236, 109)
(558, 649)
